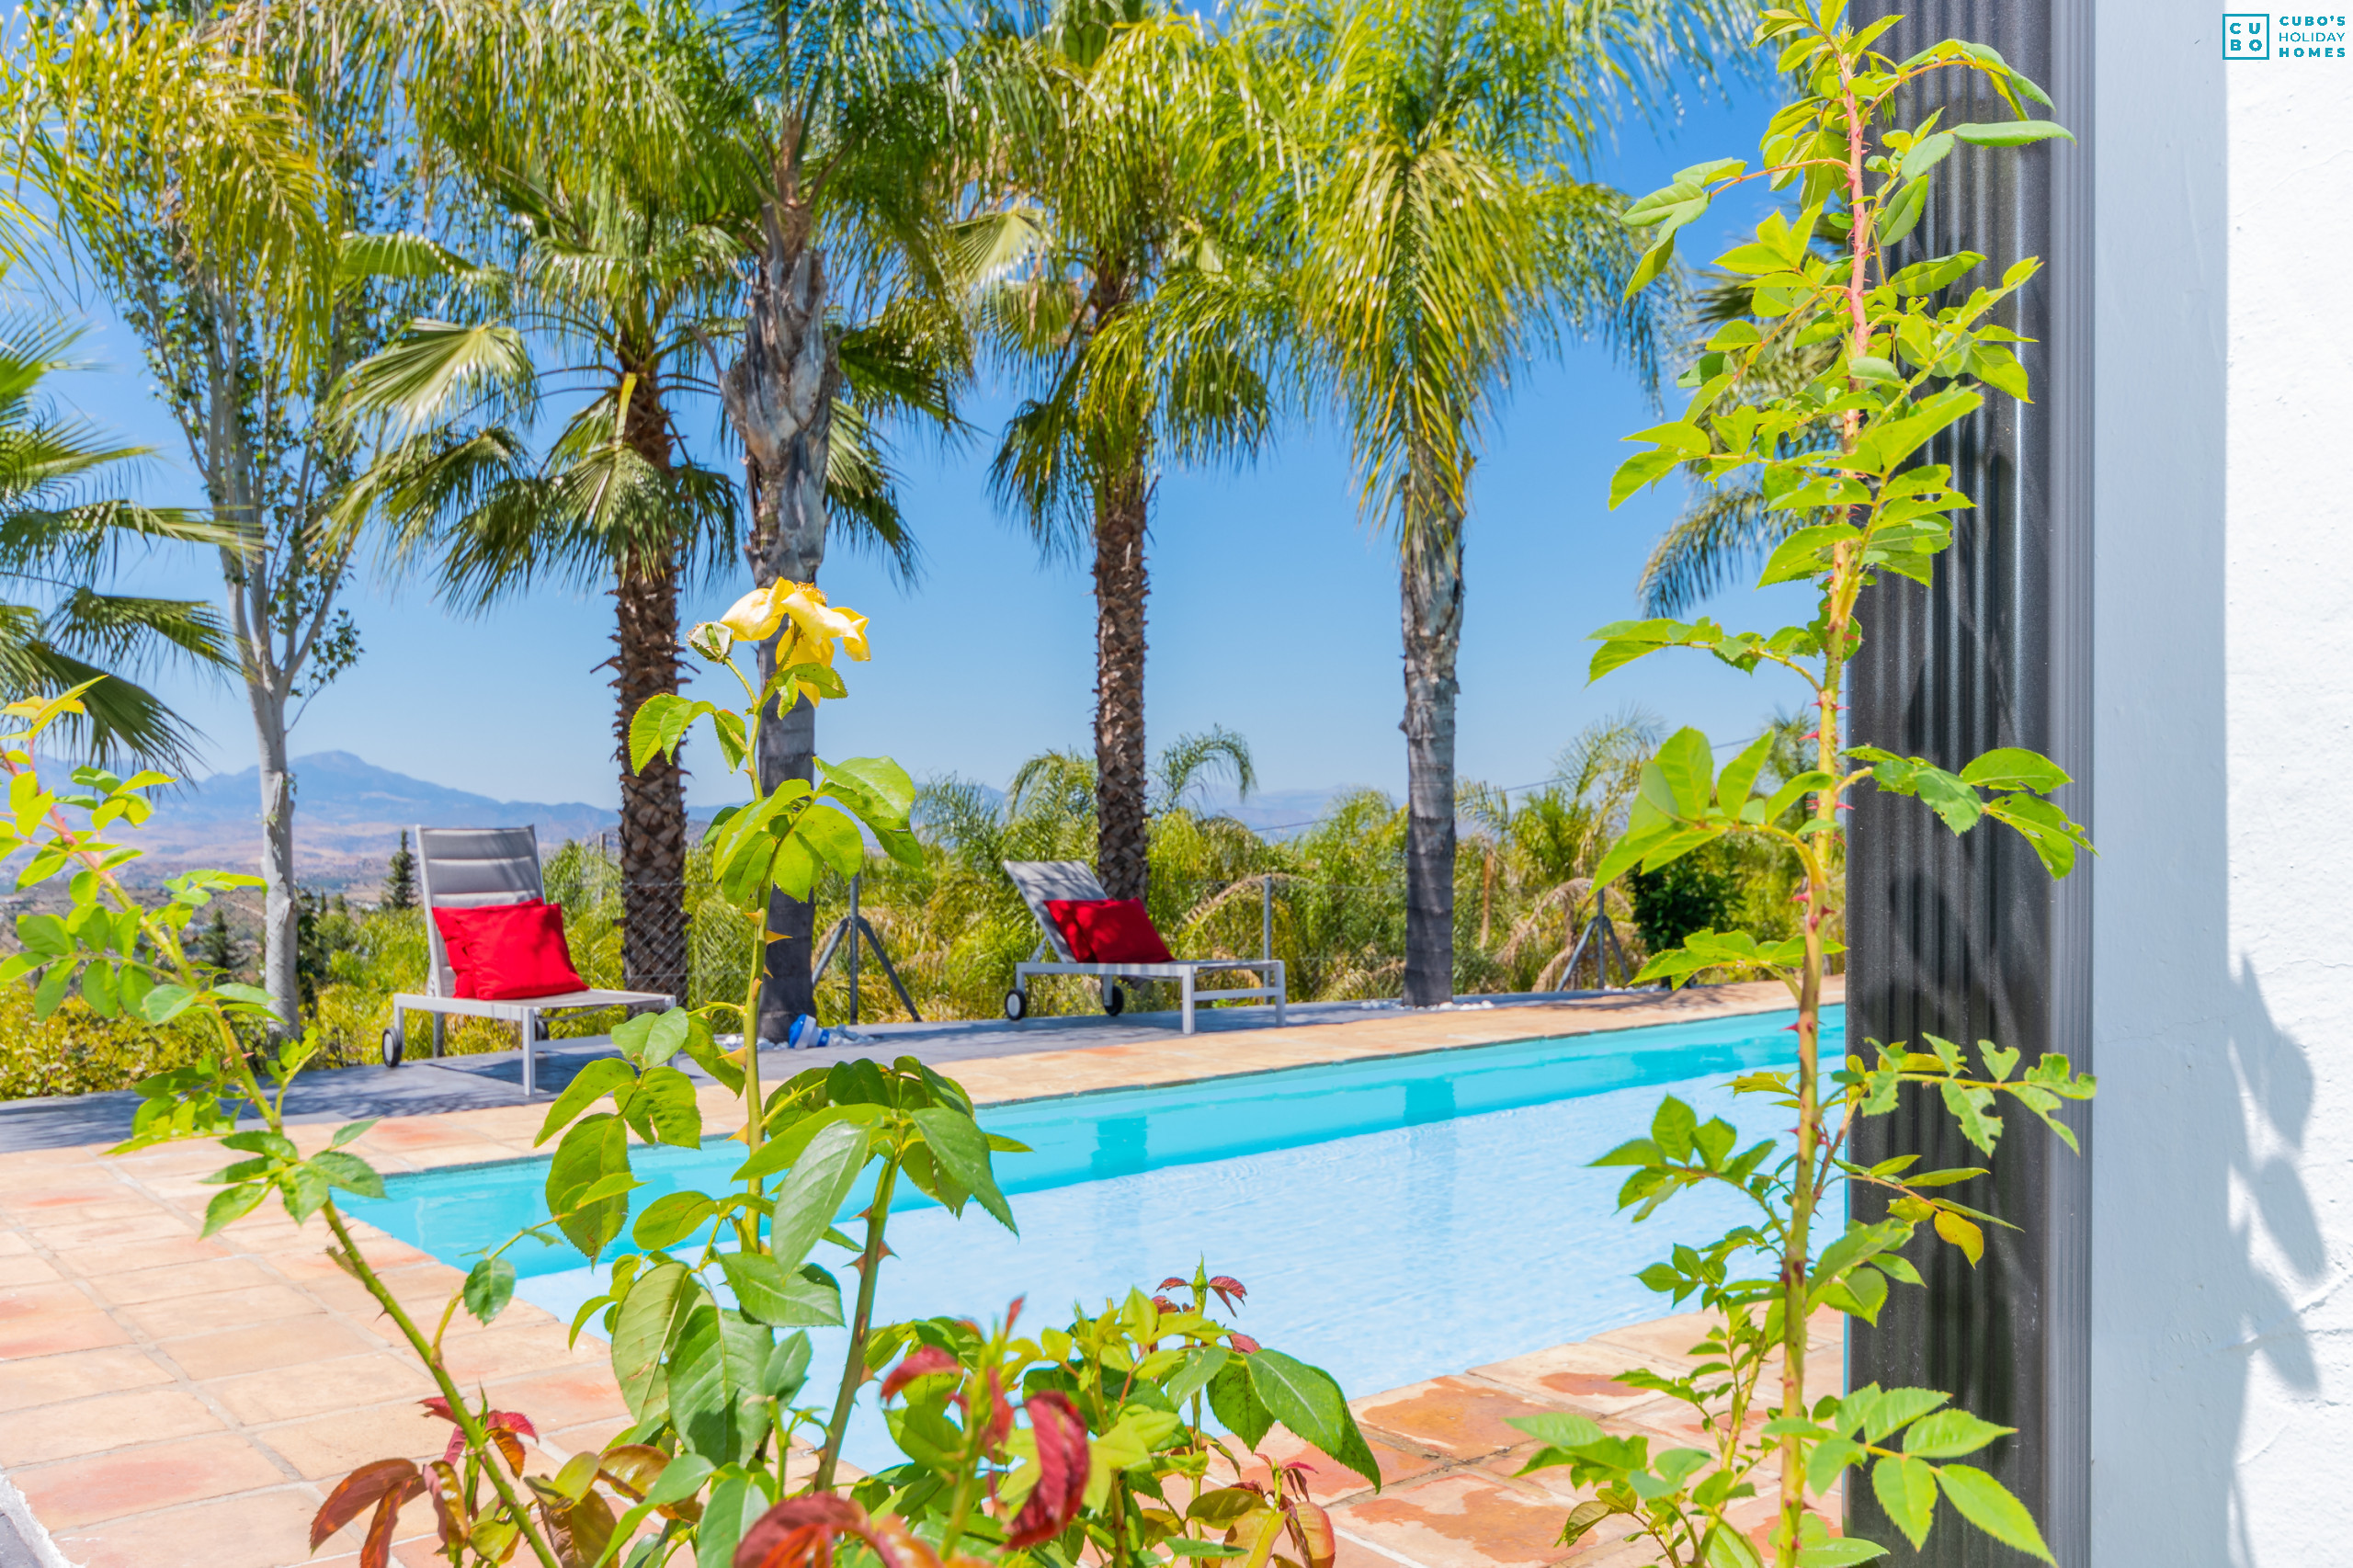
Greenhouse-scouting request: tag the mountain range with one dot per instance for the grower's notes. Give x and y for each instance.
(349, 817)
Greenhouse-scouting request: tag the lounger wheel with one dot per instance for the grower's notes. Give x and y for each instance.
(395, 1044)
(1017, 1005)
(1115, 1002)
(540, 1028)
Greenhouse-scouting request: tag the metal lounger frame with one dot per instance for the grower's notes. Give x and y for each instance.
(468, 868)
(1038, 880)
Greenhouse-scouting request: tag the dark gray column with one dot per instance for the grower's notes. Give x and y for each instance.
(1969, 938)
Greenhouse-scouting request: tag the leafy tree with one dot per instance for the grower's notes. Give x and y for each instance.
(1126, 185)
(1444, 241)
(205, 165)
(1695, 893)
(216, 948)
(57, 540)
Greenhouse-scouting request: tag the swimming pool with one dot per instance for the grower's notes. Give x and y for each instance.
(1394, 1219)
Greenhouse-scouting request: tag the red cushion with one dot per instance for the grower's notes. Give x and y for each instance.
(509, 952)
(1063, 912)
(1118, 931)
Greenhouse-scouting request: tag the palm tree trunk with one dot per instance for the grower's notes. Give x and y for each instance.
(281, 908)
(1432, 592)
(654, 802)
(779, 395)
(1121, 842)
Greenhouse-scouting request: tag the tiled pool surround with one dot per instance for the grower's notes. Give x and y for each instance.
(169, 1400)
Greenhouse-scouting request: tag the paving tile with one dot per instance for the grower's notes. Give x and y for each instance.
(1457, 1519)
(1328, 1480)
(318, 1388)
(14, 1243)
(329, 1446)
(219, 1309)
(1662, 1340)
(25, 1269)
(150, 1223)
(106, 1421)
(510, 1349)
(77, 1374)
(229, 1352)
(132, 1481)
(1454, 1416)
(181, 1282)
(568, 1398)
(44, 1297)
(160, 1251)
(1582, 1375)
(256, 1529)
(53, 1333)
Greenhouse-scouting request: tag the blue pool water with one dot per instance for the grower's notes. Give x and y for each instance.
(1394, 1219)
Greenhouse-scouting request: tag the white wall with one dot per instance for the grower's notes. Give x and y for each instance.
(2222, 1407)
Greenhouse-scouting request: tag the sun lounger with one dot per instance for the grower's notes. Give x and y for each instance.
(1041, 881)
(468, 868)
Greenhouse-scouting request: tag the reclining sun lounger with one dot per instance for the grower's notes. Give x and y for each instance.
(468, 868)
(1042, 882)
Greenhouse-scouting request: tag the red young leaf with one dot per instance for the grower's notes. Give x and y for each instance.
(919, 1363)
(896, 1545)
(797, 1530)
(376, 1551)
(1013, 1312)
(370, 1484)
(511, 1421)
(1164, 1304)
(1227, 1285)
(438, 1406)
(1311, 1531)
(1173, 1283)
(1061, 1466)
(1243, 1344)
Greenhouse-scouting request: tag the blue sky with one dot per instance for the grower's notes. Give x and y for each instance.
(1274, 610)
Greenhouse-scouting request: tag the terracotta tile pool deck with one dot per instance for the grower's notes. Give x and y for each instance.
(171, 1401)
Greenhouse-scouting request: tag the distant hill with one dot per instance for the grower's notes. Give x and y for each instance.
(349, 815)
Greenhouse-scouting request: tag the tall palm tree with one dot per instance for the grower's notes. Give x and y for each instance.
(1444, 243)
(59, 534)
(620, 289)
(1124, 186)
(625, 273)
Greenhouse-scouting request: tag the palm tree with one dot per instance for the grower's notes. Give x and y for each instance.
(58, 540)
(1124, 188)
(1444, 243)
(628, 275)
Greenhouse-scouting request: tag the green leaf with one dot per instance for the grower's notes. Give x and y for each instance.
(2011, 133)
(1906, 1489)
(768, 1293)
(1686, 764)
(889, 793)
(1948, 1433)
(820, 1183)
(651, 1316)
(956, 1141)
(1639, 472)
(1828, 1460)
(1309, 1402)
(2014, 767)
(671, 1218)
(1925, 154)
(1236, 1403)
(1987, 1504)
(588, 1085)
(1838, 1553)
(1973, 1109)
(652, 1039)
(1671, 1128)
(165, 1002)
(833, 838)
(1562, 1428)
(232, 1204)
(490, 1285)
(1201, 1363)
(714, 1377)
(593, 1150)
(1738, 780)
(349, 1171)
(661, 1106)
(1805, 553)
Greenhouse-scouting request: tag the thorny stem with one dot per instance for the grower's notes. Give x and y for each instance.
(476, 1437)
(870, 1269)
